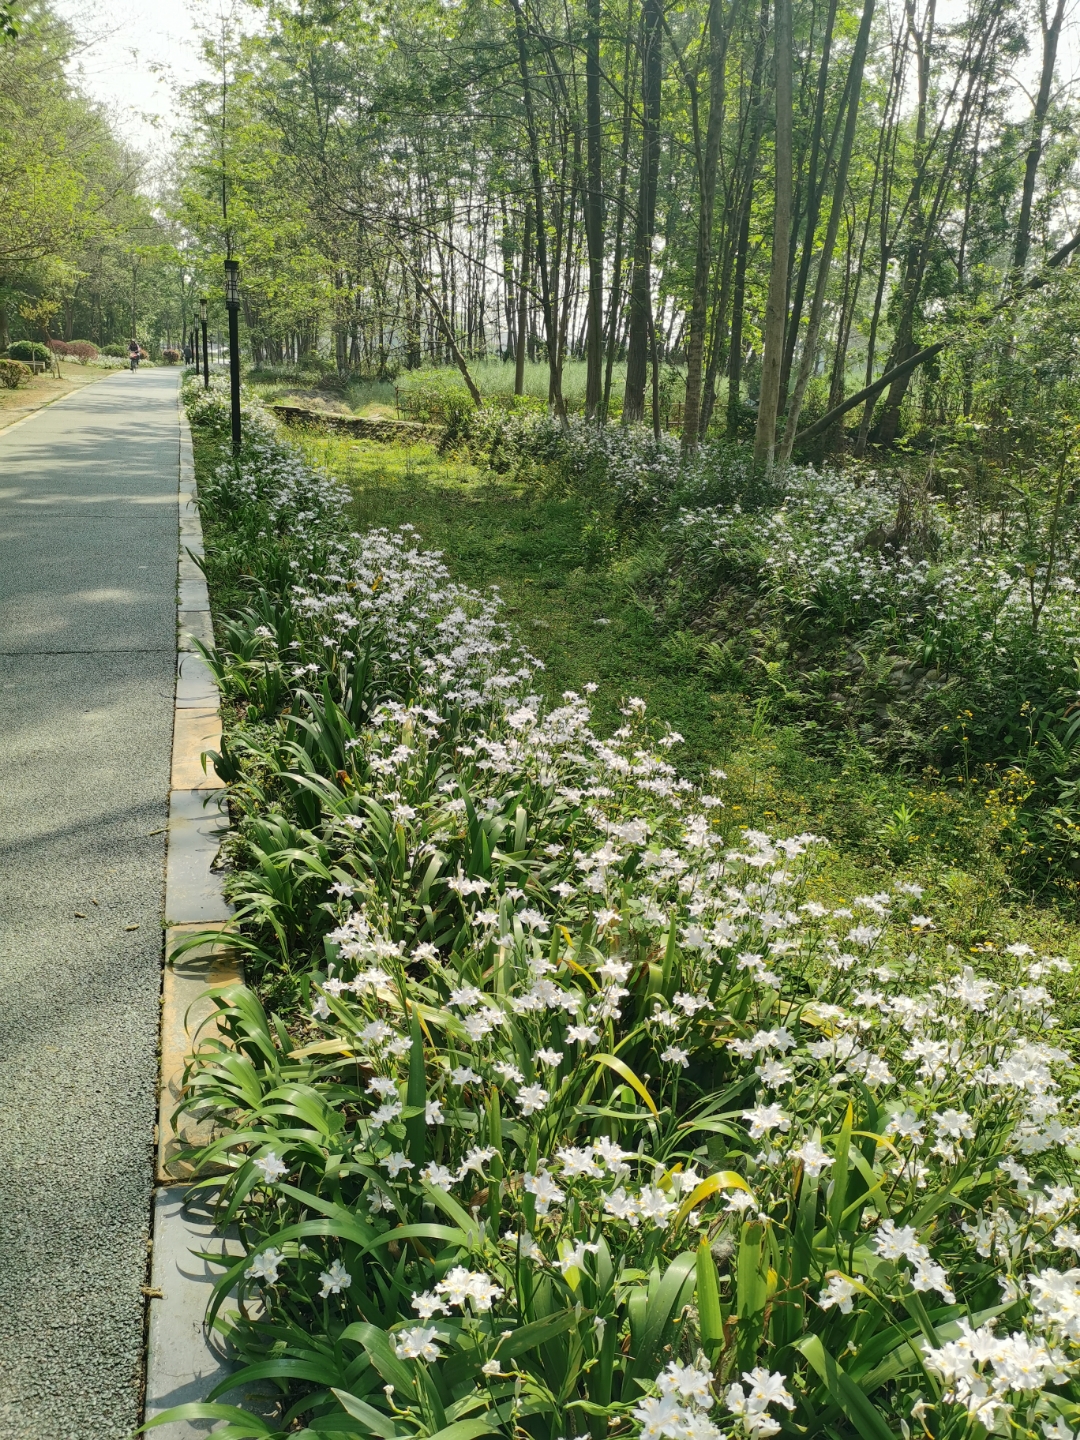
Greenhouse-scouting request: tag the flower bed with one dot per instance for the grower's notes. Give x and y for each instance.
(590, 1121)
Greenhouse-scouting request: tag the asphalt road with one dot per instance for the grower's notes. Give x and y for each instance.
(88, 551)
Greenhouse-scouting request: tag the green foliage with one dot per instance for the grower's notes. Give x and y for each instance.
(14, 373)
(581, 1109)
(28, 350)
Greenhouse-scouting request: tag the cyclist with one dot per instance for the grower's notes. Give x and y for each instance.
(134, 354)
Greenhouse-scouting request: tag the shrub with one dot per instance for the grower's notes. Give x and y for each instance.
(14, 373)
(59, 347)
(313, 364)
(28, 350)
(82, 350)
(116, 351)
(589, 1118)
(171, 357)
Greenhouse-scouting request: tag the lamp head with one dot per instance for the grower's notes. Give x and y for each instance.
(232, 284)
(202, 309)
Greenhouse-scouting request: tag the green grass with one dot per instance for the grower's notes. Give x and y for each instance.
(560, 572)
(493, 377)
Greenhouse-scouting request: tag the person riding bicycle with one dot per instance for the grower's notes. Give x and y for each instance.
(134, 354)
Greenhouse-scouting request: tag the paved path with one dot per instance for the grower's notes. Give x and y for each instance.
(88, 543)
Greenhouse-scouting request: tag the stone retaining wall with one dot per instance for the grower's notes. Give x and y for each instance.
(364, 427)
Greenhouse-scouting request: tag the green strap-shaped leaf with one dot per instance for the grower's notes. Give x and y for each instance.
(416, 1094)
(539, 1332)
(840, 1170)
(466, 1430)
(621, 1068)
(242, 1424)
(658, 1313)
(381, 1353)
(865, 1416)
(710, 1319)
(372, 1420)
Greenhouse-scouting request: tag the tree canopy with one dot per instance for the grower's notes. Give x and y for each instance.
(789, 199)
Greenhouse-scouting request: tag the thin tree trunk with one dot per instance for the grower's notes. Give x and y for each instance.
(550, 320)
(930, 352)
(1050, 35)
(706, 203)
(817, 306)
(815, 186)
(637, 358)
(523, 302)
(776, 304)
(448, 332)
(742, 250)
(594, 214)
(615, 298)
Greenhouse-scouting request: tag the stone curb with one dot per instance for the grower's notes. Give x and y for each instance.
(182, 1363)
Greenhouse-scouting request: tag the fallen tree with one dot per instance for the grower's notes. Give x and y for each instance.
(905, 367)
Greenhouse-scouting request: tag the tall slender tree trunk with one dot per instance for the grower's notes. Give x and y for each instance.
(776, 304)
(637, 359)
(1051, 33)
(904, 344)
(695, 356)
(815, 187)
(817, 306)
(594, 214)
(742, 250)
(539, 220)
(615, 298)
(523, 302)
(718, 340)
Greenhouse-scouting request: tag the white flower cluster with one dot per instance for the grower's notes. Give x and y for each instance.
(826, 548)
(569, 944)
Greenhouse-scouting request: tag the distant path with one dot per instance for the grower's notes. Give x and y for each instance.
(88, 549)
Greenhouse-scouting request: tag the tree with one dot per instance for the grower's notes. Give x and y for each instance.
(776, 305)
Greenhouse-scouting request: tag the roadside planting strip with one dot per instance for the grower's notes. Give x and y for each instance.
(182, 1365)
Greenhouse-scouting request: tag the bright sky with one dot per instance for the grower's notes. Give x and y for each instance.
(136, 54)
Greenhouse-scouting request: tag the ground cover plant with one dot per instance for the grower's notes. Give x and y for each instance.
(914, 635)
(589, 1119)
(928, 610)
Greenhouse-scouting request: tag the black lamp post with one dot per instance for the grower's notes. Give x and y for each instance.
(205, 352)
(232, 304)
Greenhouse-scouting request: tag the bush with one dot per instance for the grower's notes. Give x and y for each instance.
(28, 350)
(59, 347)
(115, 351)
(82, 350)
(171, 357)
(315, 364)
(14, 373)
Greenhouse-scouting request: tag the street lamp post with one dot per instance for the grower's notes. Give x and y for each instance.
(232, 304)
(205, 351)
